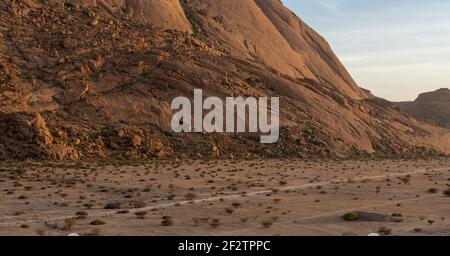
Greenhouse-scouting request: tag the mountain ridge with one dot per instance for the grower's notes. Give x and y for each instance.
(432, 107)
(86, 79)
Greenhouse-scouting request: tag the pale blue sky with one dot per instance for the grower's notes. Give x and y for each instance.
(395, 48)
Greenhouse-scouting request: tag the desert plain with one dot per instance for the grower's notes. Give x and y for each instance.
(226, 197)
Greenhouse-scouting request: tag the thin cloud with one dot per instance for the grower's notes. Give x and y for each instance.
(408, 39)
(331, 5)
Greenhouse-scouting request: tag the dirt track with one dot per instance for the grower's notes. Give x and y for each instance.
(259, 197)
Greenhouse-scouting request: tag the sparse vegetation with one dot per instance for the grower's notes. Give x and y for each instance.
(190, 196)
(232, 179)
(433, 190)
(81, 214)
(385, 231)
(283, 183)
(447, 192)
(97, 222)
(167, 221)
(267, 223)
(215, 223)
(351, 216)
(141, 214)
(113, 206)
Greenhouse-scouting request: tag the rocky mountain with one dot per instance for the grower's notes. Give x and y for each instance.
(432, 107)
(90, 79)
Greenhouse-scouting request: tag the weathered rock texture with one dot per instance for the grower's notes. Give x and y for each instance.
(98, 77)
(432, 107)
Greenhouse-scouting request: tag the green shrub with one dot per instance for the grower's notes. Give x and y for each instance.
(97, 223)
(351, 216)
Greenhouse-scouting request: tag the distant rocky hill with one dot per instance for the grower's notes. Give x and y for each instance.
(94, 79)
(432, 107)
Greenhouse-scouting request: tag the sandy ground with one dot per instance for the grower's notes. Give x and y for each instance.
(226, 197)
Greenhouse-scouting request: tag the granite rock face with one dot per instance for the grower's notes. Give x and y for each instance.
(432, 107)
(93, 79)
